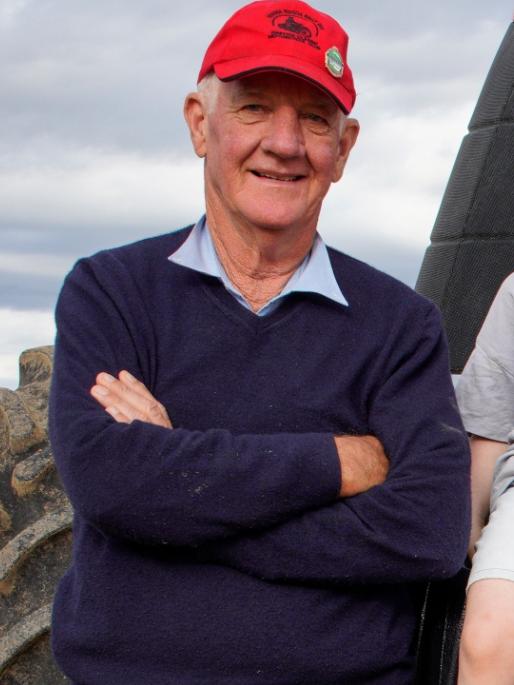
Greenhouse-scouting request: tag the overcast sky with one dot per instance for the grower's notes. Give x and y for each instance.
(94, 151)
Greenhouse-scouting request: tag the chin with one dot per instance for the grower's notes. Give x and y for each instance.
(273, 225)
(272, 221)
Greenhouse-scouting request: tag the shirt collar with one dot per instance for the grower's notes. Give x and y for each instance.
(314, 275)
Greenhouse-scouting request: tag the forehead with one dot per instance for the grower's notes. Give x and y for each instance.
(278, 85)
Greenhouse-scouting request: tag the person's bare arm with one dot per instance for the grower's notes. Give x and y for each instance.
(364, 463)
(362, 458)
(484, 454)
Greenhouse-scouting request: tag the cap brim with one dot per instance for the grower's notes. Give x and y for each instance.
(239, 68)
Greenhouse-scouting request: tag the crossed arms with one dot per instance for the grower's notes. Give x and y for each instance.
(362, 458)
(274, 506)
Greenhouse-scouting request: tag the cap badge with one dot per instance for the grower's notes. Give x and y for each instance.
(334, 62)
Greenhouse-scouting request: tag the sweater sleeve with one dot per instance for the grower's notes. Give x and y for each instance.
(415, 525)
(157, 485)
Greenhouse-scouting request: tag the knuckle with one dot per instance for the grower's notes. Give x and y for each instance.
(132, 379)
(154, 408)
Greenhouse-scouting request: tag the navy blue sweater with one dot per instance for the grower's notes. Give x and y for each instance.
(219, 551)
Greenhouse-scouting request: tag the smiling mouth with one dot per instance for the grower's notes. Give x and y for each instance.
(273, 177)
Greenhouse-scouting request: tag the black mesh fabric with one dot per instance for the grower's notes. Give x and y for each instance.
(472, 243)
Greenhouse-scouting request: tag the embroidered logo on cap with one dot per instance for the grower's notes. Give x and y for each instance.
(334, 62)
(295, 25)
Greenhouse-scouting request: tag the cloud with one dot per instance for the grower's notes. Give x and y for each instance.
(32, 264)
(9, 12)
(113, 74)
(397, 175)
(94, 151)
(84, 185)
(20, 331)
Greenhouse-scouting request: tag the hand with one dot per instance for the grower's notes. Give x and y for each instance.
(364, 463)
(127, 399)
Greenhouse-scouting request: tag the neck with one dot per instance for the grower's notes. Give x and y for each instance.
(258, 262)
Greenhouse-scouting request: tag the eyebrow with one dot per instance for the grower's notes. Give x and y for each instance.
(250, 92)
(328, 108)
(253, 92)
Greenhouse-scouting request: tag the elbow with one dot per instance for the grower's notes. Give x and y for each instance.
(447, 555)
(90, 499)
(443, 531)
(447, 566)
(87, 481)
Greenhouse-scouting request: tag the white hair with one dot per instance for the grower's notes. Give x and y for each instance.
(209, 88)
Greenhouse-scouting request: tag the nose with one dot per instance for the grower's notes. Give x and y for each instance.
(284, 135)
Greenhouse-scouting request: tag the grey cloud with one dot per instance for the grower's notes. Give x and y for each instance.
(81, 239)
(109, 75)
(112, 74)
(401, 261)
(84, 82)
(23, 292)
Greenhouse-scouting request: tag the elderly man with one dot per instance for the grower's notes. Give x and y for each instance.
(224, 399)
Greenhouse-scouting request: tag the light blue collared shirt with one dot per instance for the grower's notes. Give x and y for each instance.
(314, 275)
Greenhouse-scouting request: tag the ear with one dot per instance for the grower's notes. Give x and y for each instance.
(346, 142)
(195, 116)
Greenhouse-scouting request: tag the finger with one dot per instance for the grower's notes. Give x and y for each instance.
(157, 414)
(126, 404)
(120, 410)
(126, 387)
(101, 395)
(122, 392)
(131, 405)
(127, 379)
(155, 410)
(117, 415)
(107, 381)
(135, 403)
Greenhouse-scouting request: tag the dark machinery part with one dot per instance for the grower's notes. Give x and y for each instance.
(472, 243)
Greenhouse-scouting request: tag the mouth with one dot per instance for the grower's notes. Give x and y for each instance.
(277, 177)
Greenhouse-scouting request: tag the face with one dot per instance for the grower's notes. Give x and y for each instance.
(273, 144)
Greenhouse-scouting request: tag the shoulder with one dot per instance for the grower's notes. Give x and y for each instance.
(148, 255)
(496, 336)
(507, 287)
(485, 390)
(123, 274)
(504, 298)
(375, 291)
(159, 247)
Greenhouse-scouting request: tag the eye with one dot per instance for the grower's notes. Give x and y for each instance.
(253, 107)
(252, 112)
(316, 118)
(315, 122)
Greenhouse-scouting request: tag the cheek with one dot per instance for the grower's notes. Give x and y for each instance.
(326, 163)
(238, 147)
(228, 153)
(324, 155)
(230, 141)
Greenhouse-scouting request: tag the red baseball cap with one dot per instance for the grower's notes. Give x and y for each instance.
(290, 36)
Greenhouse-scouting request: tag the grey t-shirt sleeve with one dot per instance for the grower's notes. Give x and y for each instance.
(485, 390)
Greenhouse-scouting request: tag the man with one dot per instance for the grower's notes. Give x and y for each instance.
(237, 519)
